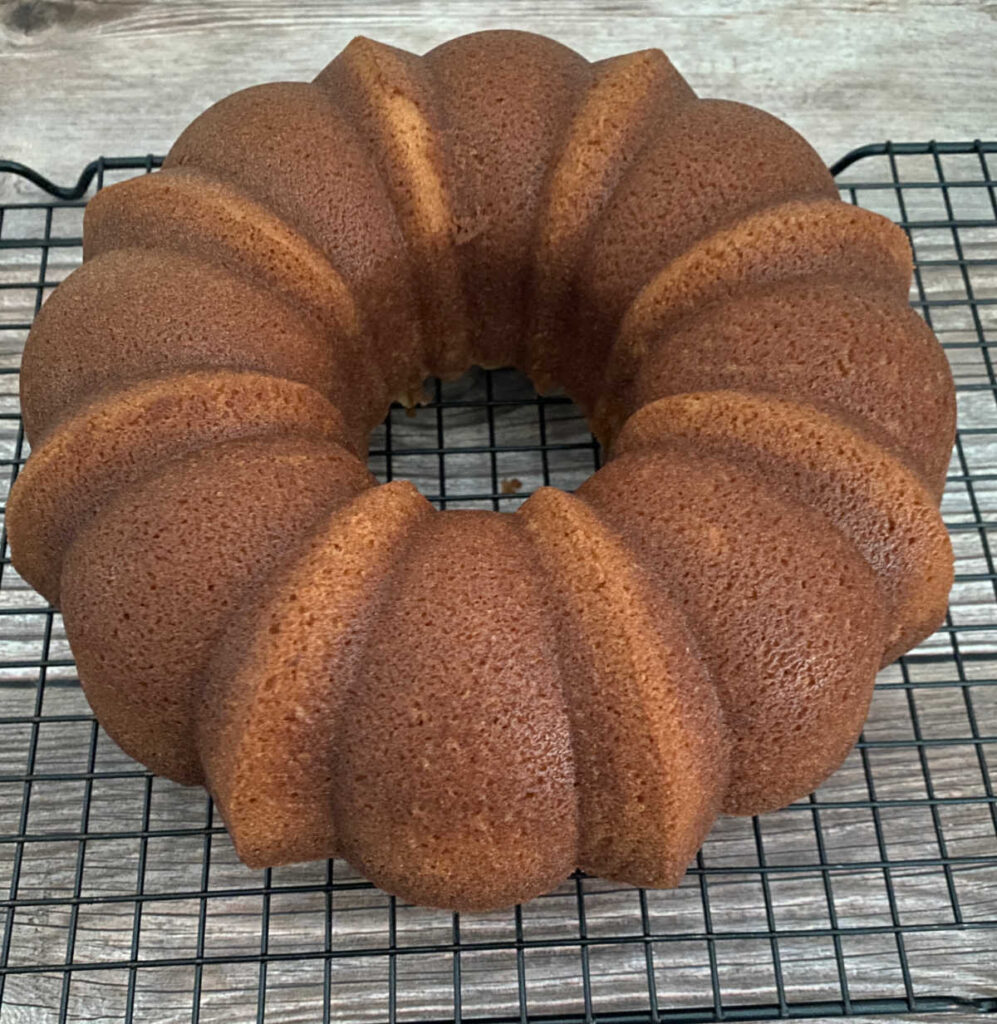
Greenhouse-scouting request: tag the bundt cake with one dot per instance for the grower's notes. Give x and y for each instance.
(467, 705)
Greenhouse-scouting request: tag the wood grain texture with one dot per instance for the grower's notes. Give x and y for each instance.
(183, 846)
(82, 78)
(79, 79)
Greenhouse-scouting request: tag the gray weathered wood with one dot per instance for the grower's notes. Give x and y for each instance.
(84, 78)
(78, 79)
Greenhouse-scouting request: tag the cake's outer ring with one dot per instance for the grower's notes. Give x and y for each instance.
(142, 638)
(278, 679)
(389, 95)
(873, 498)
(584, 683)
(765, 247)
(118, 438)
(626, 99)
(132, 314)
(651, 786)
(158, 210)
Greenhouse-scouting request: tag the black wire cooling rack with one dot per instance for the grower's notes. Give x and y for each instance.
(876, 895)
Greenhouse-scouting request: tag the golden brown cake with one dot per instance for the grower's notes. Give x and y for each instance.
(467, 705)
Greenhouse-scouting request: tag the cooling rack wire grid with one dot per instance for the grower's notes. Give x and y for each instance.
(121, 898)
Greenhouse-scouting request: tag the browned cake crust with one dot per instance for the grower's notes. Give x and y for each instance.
(312, 171)
(468, 706)
(273, 701)
(137, 313)
(835, 346)
(390, 97)
(501, 153)
(112, 441)
(464, 790)
(710, 164)
(650, 786)
(625, 103)
(875, 501)
(788, 613)
(141, 637)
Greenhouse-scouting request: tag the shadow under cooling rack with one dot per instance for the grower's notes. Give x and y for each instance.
(123, 899)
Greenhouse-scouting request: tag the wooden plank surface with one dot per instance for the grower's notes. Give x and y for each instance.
(82, 78)
(79, 79)
(182, 847)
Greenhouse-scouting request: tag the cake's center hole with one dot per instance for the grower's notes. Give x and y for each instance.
(485, 441)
